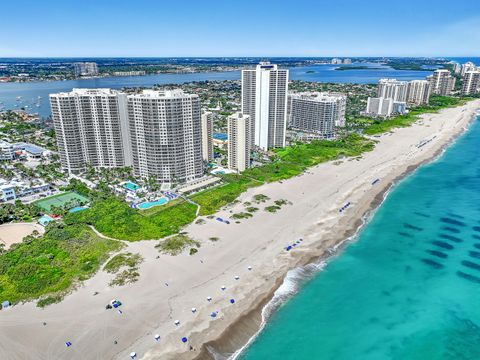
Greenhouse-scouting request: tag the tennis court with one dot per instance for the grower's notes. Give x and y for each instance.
(60, 200)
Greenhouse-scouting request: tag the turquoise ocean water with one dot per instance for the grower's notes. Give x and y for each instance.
(407, 288)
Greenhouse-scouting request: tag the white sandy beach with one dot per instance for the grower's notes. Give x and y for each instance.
(150, 306)
(15, 232)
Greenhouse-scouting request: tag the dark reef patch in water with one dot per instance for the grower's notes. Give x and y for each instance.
(476, 228)
(456, 216)
(474, 254)
(476, 236)
(468, 277)
(452, 221)
(471, 265)
(437, 254)
(421, 214)
(448, 228)
(432, 263)
(476, 246)
(413, 227)
(451, 238)
(443, 245)
(405, 234)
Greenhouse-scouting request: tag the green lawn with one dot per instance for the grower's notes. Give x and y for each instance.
(114, 218)
(60, 200)
(52, 263)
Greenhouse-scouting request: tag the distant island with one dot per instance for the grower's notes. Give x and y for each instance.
(310, 71)
(343, 68)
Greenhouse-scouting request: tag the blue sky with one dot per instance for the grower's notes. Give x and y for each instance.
(239, 28)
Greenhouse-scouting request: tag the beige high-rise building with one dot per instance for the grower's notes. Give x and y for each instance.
(418, 92)
(91, 129)
(468, 66)
(264, 98)
(392, 89)
(379, 106)
(471, 82)
(239, 141)
(166, 135)
(441, 82)
(85, 69)
(316, 112)
(207, 136)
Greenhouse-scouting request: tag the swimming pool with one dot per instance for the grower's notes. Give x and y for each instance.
(149, 204)
(131, 186)
(77, 209)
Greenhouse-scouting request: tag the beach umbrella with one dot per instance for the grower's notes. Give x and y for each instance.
(209, 298)
(177, 322)
(213, 314)
(232, 301)
(237, 277)
(249, 268)
(194, 310)
(223, 287)
(157, 337)
(133, 354)
(184, 339)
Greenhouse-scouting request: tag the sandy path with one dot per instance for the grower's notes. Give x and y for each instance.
(150, 306)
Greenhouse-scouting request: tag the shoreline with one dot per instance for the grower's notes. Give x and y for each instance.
(237, 330)
(169, 286)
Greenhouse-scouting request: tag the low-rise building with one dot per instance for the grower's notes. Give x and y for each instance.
(6, 151)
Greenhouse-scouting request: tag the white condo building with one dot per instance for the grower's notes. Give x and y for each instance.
(239, 141)
(207, 136)
(441, 82)
(418, 92)
(264, 99)
(166, 135)
(392, 89)
(316, 112)
(468, 66)
(6, 151)
(471, 82)
(380, 106)
(90, 126)
(85, 69)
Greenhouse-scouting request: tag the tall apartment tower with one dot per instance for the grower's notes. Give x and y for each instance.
(471, 83)
(418, 92)
(380, 106)
(392, 89)
(441, 82)
(91, 129)
(239, 141)
(468, 66)
(315, 112)
(207, 136)
(166, 135)
(85, 69)
(264, 99)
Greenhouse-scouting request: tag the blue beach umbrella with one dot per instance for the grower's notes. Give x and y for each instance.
(184, 339)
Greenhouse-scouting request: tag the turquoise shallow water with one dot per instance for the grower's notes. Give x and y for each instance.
(407, 288)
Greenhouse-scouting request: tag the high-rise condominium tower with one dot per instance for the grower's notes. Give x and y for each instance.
(468, 66)
(239, 141)
(166, 135)
(471, 82)
(418, 92)
(392, 89)
(91, 129)
(316, 112)
(207, 136)
(441, 82)
(85, 69)
(264, 98)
